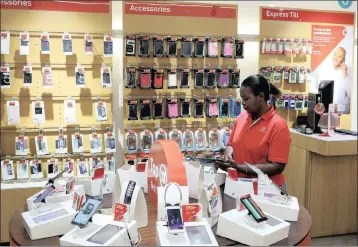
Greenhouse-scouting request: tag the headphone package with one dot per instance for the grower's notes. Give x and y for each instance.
(212, 47)
(224, 107)
(200, 140)
(130, 77)
(145, 78)
(199, 47)
(157, 109)
(198, 107)
(132, 109)
(176, 135)
(234, 78)
(185, 107)
(235, 107)
(172, 78)
(211, 107)
(225, 135)
(184, 78)
(160, 134)
(223, 78)
(239, 48)
(188, 141)
(210, 78)
(227, 47)
(146, 138)
(131, 142)
(157, 78)
(27, 75)
(186, 47)
(158, 46)
(214, 140)
(144, 46)
(199, 78)
(130, 45)
(172, 108)
(171, 46)
(144, 109)
(277, 71)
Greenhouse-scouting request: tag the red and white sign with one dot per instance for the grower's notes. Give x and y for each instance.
(171, 9)
(95, 6)
(273, 14)
(325, 40)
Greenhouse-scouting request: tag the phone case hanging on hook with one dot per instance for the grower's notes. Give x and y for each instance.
(211, 107)
(224, 107)
(210, 78)
(186, 47)
(212, 47)
(185, 107)
(145, 79)
(131, 142)
(132, 109)
(184, 78)
(157, 108)
(144, 46)
(158, 46)
(234, 77)
(223, 78)
(145, 109)
(172, 108)
(146, 138)
(157, 78)
(227, 45)
(199, 47)
(130, 45)
(198, 78)
(172, 79)
(198, 107)
(239, 48)
(130, 77)
(235, 107)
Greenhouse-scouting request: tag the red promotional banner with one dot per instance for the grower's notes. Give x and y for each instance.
(307, 16)
(96, 6)
(171, 9)
(325, 40)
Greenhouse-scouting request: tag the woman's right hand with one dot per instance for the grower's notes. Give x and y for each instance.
(228, 154)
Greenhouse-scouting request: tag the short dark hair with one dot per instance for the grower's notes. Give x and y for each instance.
(260, 84)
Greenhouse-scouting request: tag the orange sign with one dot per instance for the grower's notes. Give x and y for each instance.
(166, 165)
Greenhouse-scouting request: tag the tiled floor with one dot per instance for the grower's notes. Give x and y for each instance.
(340, 240)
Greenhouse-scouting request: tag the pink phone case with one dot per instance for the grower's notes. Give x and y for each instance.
(213, 110)
(228, 49)
(213, 48)
(145, 80)
(173, 110)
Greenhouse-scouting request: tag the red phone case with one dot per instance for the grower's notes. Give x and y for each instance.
(158, 80)
(98, 173)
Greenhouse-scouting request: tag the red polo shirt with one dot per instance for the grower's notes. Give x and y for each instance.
(267, 139)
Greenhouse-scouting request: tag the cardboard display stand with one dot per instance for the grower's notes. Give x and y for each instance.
(138, 207)
(206, 237)
(239, 226)
(101, 233)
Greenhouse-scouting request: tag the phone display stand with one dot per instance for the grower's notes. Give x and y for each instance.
(172, 197)
(39, 222)
(193, 173)
(238, 188)
(241, 227)
(56, 197)
(129, 172)
(138, 207)
(279, 206)
(96, 234)
(93, 187)
(164, 238)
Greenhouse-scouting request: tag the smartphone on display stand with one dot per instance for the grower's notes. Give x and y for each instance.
(174, 219)
(87, 211)
(43, 195)
(253, 209)
(129, 192)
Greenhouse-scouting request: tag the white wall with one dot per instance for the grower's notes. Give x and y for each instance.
(248, 29)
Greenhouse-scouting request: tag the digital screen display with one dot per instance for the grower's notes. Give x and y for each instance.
(175, 221)
(198, 235)
(49, 216)
(103, 235)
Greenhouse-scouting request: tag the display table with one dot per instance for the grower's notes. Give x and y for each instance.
(299, 231)
(322, 174)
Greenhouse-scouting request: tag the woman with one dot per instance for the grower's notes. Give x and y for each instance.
(260, 136)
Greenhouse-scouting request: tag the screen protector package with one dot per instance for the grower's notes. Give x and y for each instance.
(80, 76)
(188, 141)
(223, 78)
(293, 75)
(239, 48)
(214, 140)
(24, 44)
(227, 47)
(172, 108)
(184, 78)
(131, 142)
(45, 43)
(172, 78)
(157, 79)
(186, 47)
(144, 46)
(224, 107)
(27, 76)
(199, 47)
(286, 74)
(144, 109)
(266, 72)
(210, 78)
(146, 138)
(199, 78)
(277, 74)
(200, 140)
(235, 107)
(106, 78)
(184, 107)
(212, 47)
(107, 46)
(234, 77)
(171, 46)
(5, 77)
(132, 109)
(88, 44)
(130, 45)
(198, 107)
(176, 135)
(158, 46)
(67, 44)
(145, 78)
(211, 107)
(130, 77)
(157, 108)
